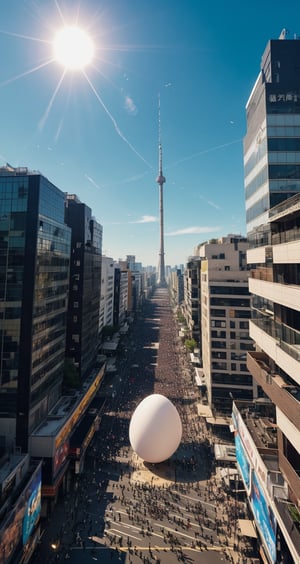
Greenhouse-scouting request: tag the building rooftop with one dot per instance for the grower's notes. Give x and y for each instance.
(16, 171)
(9, 465)
(62, 410)
(259, 419)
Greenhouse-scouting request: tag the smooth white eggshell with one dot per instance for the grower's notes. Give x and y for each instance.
(155, 429)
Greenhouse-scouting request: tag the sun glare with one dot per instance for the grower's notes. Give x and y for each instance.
(73, 48)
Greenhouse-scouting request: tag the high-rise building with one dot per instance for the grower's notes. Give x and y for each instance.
(130, 259)
(120, 296)
(34, 283)
(272, 183)
(225, 313)
(85, 285)
(107, 294)
(192, 299)
(272, 141)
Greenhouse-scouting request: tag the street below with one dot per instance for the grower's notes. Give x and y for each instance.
(124, 510)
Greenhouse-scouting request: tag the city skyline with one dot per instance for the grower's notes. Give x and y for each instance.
(95, 133)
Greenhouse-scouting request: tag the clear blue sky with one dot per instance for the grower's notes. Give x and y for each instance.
(96, 135)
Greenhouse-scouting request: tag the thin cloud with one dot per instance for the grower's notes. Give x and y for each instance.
(205, 151)
(192, 231)
(146, 219)
(213, 205)
(130, 106)
(210, 203)
(92, 181)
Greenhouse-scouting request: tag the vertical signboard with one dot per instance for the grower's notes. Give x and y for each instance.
(32, 506)
(243, 462)
(264, 517)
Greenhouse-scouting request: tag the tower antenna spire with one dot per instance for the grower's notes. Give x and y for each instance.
(161, 277)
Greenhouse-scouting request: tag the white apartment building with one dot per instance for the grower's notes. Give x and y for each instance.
(225, 313)
(106, 316)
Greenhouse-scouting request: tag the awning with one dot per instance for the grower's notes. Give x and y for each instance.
(204, 410)
(199, 377)
(109, 346)
(228, 472)
(246, 528)
(225, 452)
(218, 421)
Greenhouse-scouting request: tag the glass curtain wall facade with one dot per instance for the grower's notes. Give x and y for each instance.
(34, 281)
(272, 141)
(85, 285)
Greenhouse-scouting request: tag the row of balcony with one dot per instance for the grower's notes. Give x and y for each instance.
(287, 338)
(281, 393)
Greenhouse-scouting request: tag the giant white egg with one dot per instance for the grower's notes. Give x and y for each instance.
(155, 429)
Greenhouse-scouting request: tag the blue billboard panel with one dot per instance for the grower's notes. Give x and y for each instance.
(264, 517)
(242, 460)
(22, 518)
(33, 505)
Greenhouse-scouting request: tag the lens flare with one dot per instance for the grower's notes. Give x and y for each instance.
(73, 48)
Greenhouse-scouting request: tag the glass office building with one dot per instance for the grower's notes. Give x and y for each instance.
(34, 282)
(272, 141)
(85, 285)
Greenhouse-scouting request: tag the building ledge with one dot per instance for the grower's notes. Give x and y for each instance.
(288, 513)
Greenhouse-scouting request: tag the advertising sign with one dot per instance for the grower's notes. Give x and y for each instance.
(249, 445)
(21, 520)
(264, 517)
(242, 460)
(32, 507)
(60, 457)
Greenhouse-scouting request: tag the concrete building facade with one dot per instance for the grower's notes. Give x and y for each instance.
(225, 313)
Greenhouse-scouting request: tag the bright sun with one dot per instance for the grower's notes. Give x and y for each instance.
(73, 48)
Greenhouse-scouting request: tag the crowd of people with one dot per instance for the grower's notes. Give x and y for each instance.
(176, 507)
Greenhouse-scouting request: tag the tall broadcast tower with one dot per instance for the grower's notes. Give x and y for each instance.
(161, 275)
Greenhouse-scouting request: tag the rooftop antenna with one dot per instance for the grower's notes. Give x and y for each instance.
(284, 33)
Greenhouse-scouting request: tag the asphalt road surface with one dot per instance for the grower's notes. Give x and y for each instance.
(123, 510)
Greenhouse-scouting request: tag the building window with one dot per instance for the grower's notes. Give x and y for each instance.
(218, 312)
(75, 305)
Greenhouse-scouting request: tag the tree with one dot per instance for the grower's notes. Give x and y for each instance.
(109, 331)
(190, 344)
(71, 376)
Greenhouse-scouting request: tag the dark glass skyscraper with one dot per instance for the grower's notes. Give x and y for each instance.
(85, 285)
(34, 281)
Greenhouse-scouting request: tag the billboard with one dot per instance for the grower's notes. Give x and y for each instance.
(243, 462)
(22, 518)
(249, 445)
(264, 517)
(32, 507)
